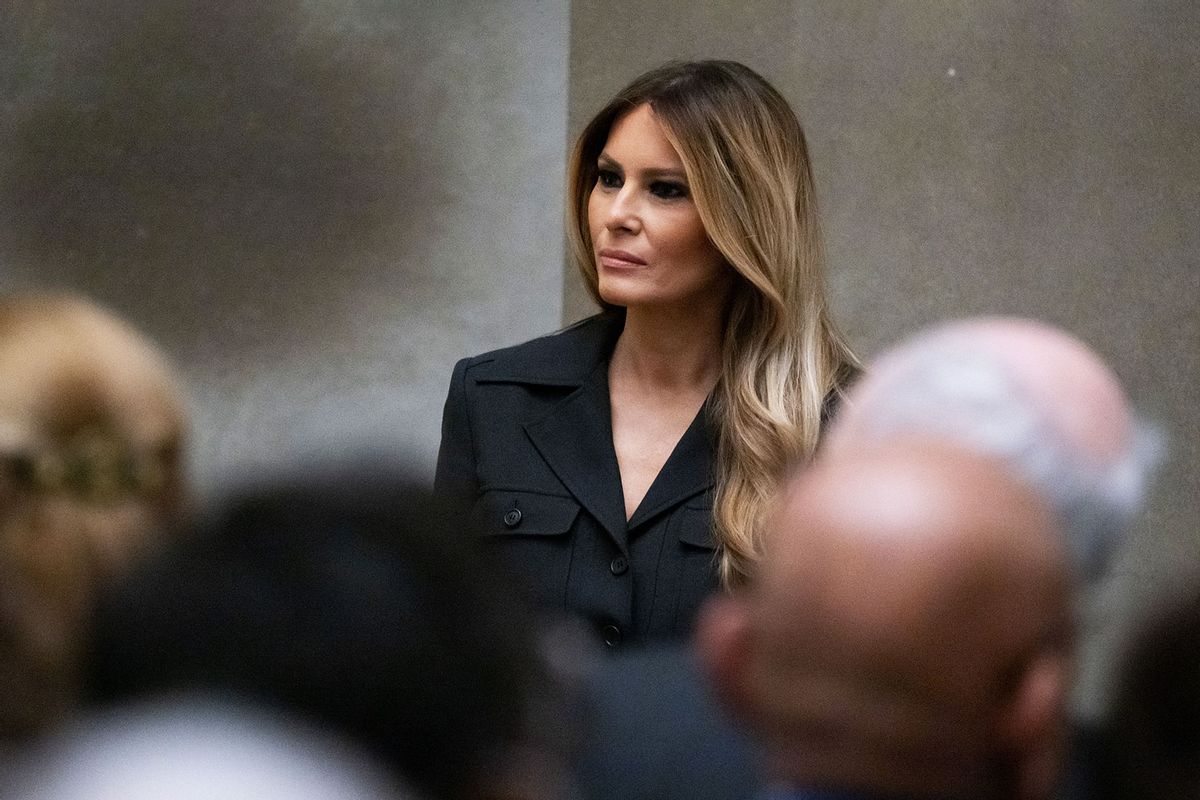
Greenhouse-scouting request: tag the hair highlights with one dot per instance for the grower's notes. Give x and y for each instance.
(747, 165)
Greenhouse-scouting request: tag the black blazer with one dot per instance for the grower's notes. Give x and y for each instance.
(527, 447)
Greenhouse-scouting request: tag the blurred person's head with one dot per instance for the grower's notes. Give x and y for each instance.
(908, 575)
(196, 748)
(1028, 393)
(346, 595)
(92, 425)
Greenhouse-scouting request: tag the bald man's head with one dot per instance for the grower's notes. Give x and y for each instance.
(933, 563)
(915, 575)
(1027, 393)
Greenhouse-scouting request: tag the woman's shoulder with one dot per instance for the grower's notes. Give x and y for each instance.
(568, 354)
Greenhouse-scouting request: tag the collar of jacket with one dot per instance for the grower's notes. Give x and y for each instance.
(575, 438)
(565, 358)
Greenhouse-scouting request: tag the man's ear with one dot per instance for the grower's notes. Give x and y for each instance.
(1033, 723)
(723, 642)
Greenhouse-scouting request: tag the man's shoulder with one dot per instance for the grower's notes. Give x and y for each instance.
(657, 732)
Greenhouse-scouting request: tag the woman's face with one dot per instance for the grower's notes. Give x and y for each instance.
(647, 239)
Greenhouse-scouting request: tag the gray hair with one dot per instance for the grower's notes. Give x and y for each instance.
(954, 390)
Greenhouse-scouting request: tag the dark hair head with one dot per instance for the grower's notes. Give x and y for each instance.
(349, 597)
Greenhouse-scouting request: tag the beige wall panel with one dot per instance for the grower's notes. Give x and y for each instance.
(315, 206)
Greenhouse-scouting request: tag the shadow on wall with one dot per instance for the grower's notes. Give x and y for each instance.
(236, 143)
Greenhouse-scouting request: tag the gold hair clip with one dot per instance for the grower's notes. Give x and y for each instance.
(94, 467)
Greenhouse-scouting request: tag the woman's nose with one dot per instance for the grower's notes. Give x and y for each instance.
(623, 211)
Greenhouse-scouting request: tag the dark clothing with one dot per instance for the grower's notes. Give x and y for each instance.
(655, 731)
(1090, 772)
(527, 447)
(779, 793)
(791, 793)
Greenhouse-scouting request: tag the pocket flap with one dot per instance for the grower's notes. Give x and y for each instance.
(696, 527)
(509, 513)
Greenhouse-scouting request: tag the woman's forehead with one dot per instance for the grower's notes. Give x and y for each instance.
(638, 138)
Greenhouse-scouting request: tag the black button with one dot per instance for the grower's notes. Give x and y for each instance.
(512, 517)
(619, 565)
(611, 635)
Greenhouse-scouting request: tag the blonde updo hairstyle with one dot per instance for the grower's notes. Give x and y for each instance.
(92, 428)
(747, 166)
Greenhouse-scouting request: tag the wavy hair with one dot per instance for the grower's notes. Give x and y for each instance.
(746, 161)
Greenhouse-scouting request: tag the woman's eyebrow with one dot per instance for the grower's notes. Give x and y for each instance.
(665, 172)
(650, 173)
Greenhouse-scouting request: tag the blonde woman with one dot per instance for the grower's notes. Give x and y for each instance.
(623, 465)
(91, 430)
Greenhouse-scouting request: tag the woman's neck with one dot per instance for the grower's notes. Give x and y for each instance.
(670, 349)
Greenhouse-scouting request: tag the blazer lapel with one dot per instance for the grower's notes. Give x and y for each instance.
(688, 471)
(575, 440)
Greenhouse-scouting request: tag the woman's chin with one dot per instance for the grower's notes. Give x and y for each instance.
(613, 293)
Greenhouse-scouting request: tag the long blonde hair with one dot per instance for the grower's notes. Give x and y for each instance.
(747, 166)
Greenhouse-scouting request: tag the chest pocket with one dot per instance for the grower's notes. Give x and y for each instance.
(531, 532)
(697, 558)
(696, 528)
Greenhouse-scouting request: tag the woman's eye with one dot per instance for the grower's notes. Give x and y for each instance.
(608, 179)
(668, 190)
